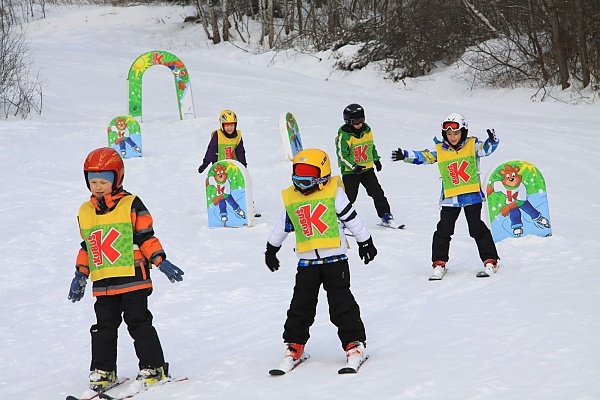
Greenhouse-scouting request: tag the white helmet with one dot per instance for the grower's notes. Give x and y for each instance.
(455, 121)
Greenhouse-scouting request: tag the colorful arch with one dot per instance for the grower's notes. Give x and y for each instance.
(183, 85)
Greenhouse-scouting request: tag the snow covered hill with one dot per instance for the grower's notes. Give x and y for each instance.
(529, 332)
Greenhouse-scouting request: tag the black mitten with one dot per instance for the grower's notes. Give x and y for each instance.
(492, 135)
(271, 257)
(377, 165)
(202, 168)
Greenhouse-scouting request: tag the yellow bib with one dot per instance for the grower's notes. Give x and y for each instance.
(227, 145)
(109, 240)
(458, 169)
(314, 218)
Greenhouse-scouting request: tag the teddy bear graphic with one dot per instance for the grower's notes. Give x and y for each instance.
(514, 189)
(123, 136)
(221, 183)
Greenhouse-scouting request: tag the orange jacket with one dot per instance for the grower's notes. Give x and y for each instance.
(148, 249)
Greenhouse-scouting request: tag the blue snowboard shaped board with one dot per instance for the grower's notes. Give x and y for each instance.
(229, 195)
(517, 201)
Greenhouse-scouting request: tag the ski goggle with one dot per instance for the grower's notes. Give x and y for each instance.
(307, 182)
(303, 182)
(450, 125)
(358, 121)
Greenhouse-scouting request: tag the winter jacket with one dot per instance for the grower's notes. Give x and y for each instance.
(346, 214)
(147, 248)
(482, 149)
(355, 148)
(212, 151)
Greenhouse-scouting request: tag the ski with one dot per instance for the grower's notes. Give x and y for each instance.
(354, 368)
(90, 394)
(286, 367)
(137, 387)
(394, 226)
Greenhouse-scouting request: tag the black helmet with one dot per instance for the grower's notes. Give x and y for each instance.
(353, 111)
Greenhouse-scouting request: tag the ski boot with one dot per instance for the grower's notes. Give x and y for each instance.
(152, 376)
(101, 381)
(439, 270)
(490, 266)
(388, 220)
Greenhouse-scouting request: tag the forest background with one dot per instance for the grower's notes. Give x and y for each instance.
(548, 45)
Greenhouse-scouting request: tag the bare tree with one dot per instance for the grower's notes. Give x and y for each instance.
(558, 43)
(20, 87)
(225, 13)
(214, 23)
(581, 43)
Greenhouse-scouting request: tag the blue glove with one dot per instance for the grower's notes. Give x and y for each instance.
(171, 271)
(77, 286)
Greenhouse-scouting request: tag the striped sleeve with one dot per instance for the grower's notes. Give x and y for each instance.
(348, 215)
(143, 233)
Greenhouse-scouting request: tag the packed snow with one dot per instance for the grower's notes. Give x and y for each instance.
(529, 332)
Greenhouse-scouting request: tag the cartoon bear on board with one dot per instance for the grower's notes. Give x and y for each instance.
(123, 136)
(221, 183)
(516, 200)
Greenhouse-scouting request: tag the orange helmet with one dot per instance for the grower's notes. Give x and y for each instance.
(105, 159)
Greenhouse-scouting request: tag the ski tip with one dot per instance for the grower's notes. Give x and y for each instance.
(276, 372)
(347, 370)
(482, 274)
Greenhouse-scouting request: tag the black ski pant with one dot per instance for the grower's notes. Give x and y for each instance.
(371, 184)
(344, 312)
(478, 230)
(133, 307)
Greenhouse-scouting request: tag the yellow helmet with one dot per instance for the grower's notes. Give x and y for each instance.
(227, 117)
(311, 170)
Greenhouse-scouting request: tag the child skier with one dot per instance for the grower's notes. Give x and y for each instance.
(118, 249)
(226, 143)
(313, 205)
(357, 155)
(458, 161)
